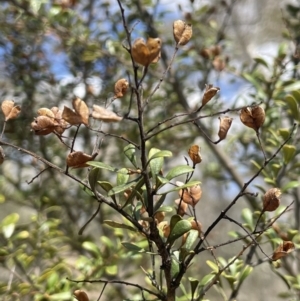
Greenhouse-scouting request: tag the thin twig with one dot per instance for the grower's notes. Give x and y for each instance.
(80, 232)
(141, 288)
(35, 177)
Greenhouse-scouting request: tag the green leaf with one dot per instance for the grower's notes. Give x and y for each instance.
(296, 94)
(181, 227)
(8, 224)
(10, 219)
(292, 103)
(121, 188)
(178, 171)
(261, 61)
(92, 247)
(194, 284)
(122, 176)
(164, 209)
(133, 248)
(136, 192)
(156, 153)
(111, 270)
(155, 162)
(189, 184)
(104, 166)
(192, 236)
(130, 153)
(290, 185)
(94, 175)
(247, 216)
(159, 202)
(105, 185)
(289, 152)
(213, 266)
(60, 296)
(114, 224)
(206, 279)
(174, 266)
(245, 273)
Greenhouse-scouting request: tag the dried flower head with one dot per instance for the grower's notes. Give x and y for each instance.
(191, 195)
(79, 159)
(146, 53)
(209, 93)
(225, 124)
(283, 250)
(182, 32)
(194, 154)
(253, 117)
(271, 199)
(121, 88)
(10, 110)
(81, 295)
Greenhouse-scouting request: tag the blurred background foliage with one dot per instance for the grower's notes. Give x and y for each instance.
(53, 50)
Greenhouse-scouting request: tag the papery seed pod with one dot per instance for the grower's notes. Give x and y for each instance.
(283, 250)
(166, 230)
(43, 125)
(216, 50)
(183, 207)
(159, 216)
(71, 117)
(140, 52)
(105, 115)
(197, 226)
(121, 88)
(195, 192)
(79, 159)
(253, 117)
(45, 112)
(271, 199)
(219, 63)
(9, 109)
(210, 92)
(205, 53)
(182, 32)
(154, 46)
(191, 195)
(183, 238)
(2, 155)
(81, 295)
(81, 109)
(225, 124)
(194, 154)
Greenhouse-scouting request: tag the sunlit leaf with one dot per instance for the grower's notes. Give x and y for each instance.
(133, 248)
(178, 171)
(181, 227)
(130, 153)
(115, 224)
(189, 184)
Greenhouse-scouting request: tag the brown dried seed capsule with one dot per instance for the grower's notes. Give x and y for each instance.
(154, 46)
(121, 87)
(183, 207)
(271, 199)
(9, 109)
(283, 250)
(81, 295)
(194, 154)
(146, 53)
(182, 32)
(253, 117)
(210, 92)
(225, 124)
(79, 159)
